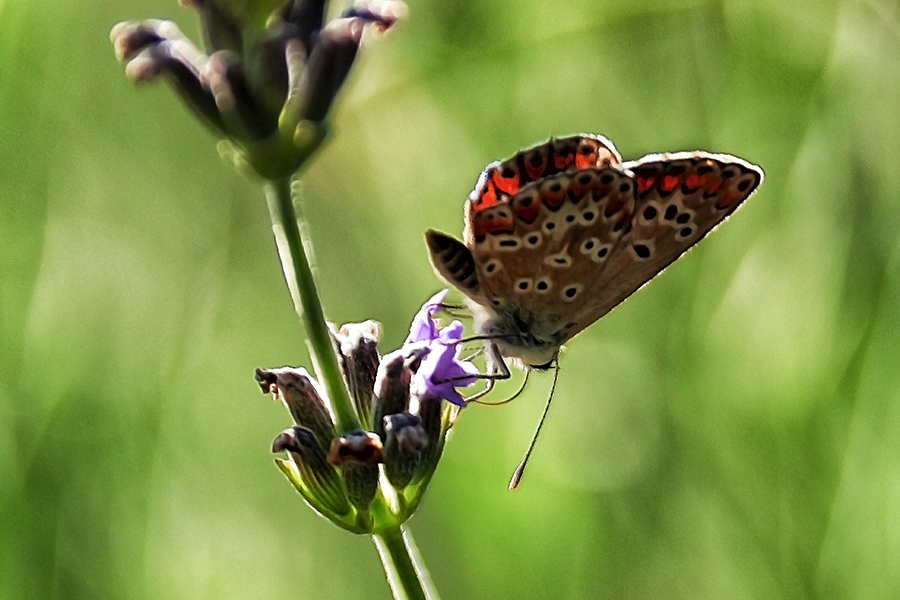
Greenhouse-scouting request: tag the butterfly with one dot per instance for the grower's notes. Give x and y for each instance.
(560, 234)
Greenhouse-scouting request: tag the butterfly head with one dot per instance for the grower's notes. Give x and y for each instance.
(531, 334)
(532, 338)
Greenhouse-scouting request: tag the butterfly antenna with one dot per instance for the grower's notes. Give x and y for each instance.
(520, 470)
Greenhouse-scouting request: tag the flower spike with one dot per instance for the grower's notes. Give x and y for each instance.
(400, 401)
(272, 77)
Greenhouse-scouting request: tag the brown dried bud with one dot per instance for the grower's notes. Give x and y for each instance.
(321, 480)
(300, 395)
(405, 439)
(429, 412)
(358, 455)
(359, 447)
(391, 389)
(358, 346)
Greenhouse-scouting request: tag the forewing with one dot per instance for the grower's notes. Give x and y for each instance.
(501, 180)
(487, 207)
(454, 262)
(537, 252)
(680, 198)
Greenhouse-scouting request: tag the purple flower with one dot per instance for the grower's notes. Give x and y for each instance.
(441, 371)
(423, 328)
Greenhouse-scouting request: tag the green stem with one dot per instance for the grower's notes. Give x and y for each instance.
(403, 565)
(289, 237)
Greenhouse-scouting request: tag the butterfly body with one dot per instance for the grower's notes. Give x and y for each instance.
(558, 235)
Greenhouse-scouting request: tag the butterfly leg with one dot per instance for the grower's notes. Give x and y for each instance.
(497, 371)
(457, 311)
(495, 363)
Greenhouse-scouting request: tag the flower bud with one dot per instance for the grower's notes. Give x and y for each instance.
(403, 444)
(429, 410)
(358, 455)
(275, 71)
(221, 27)
(308, 17)
(154, 49)
(358, 351)
(319, 482)
(391, 389)
(405, 392)
(244, 113)
(299, 393)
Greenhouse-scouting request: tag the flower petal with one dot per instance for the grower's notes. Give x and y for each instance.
(451, 334)
(423, 328)
(441, 371)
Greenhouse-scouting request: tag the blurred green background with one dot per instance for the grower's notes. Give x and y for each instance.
(733, 431)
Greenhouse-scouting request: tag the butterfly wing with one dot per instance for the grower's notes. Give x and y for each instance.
(500, 180)
(455, 263)
(489, 214)
(537, 253)
(679, 199)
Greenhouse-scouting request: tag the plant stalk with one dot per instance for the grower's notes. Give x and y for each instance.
(291, 242)
(403, 565)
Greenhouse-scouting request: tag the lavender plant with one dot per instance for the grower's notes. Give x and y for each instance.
(368, 429)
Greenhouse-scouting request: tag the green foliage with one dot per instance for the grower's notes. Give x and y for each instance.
(731, 431)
